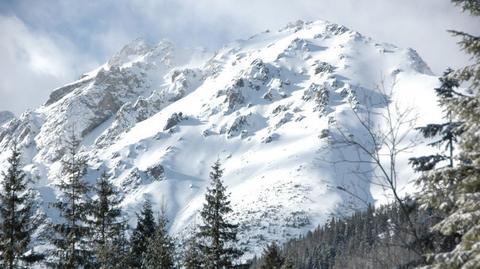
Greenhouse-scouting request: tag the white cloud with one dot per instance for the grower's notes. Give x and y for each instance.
(421, 25)
(32, 65)
(47, 44)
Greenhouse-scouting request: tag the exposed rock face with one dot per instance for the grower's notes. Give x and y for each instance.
(157, 172)
(323, 67)
(320, 94)
(234, 98)
(62, 91)
(174, 119)
(6, 116)
(183, 81)
(237, 126)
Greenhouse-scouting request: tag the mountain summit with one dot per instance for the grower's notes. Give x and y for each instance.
(156, 117)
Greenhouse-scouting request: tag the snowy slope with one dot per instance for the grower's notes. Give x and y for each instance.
(157, 117)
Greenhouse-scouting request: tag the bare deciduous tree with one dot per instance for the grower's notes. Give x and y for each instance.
(383, 131)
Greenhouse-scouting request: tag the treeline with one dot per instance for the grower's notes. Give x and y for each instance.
(375, 238)
(439, 226)
(92, 232)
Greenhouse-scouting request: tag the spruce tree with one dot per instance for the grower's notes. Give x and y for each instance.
(444, 134)
(192, 258)
(15, 213)
(217, 236)
(73, 235)
(122, 254)
(145, 229)
(116, 253)
(288, 263)
(107, 225)
(462, 182)
(119, 252)
(272, 258)
(160, 249)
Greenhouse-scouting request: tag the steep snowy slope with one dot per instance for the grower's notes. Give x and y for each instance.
(157, 117)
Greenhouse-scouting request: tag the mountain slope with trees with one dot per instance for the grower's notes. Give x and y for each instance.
(295, 116)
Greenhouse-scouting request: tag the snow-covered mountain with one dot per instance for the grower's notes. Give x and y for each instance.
(157, 117)
(6, 116)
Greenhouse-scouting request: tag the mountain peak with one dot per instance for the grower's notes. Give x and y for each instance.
(6, 116)
(264, 106)
(130, 52)
(327, 26)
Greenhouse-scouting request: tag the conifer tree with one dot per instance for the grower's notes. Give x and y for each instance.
(462, 182)
(272, 258)
(73, 234)
(145, 229)
(118, 256)
(119, 253)
(446, 133)
(160, 248)
(15, 213)
(217, 236)
(192, 258)
(122, 247)
(107, 225)
(288, 264)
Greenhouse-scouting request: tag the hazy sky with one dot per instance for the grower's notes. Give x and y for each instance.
(45, 44)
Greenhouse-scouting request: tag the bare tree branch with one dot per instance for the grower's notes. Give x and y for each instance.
(387, 127)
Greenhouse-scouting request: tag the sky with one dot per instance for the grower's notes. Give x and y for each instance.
(46, 44)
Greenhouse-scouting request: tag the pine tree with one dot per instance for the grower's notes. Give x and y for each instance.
(473, 6)
(145, 229)
(461, 182)
(73, 235)
(119, 252)
(288, 264)
(122, 244)
(192, 258)
(217, 235)
(160, 249)
(15, 213)
(107, 225)
(445, 134)
(272, 258)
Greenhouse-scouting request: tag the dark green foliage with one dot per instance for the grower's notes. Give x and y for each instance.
(376, 238)
(73, 235)
(444, 134)
(160, 250)
(15, 213)
(192, 258)
(123, 248)
(455, 190)
(472, 6)
(288, 264)
(216, 235)
(115, 253)
(145, 229)
(448, 86)
(107, 226)
(272, 257)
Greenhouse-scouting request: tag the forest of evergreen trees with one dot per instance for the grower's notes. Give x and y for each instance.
(437, 227)
(94, 234)
(375, 238)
